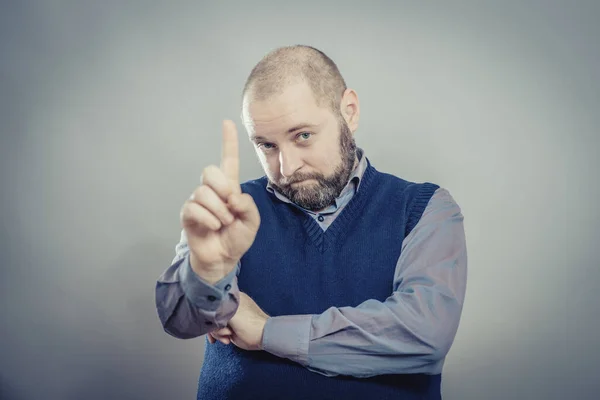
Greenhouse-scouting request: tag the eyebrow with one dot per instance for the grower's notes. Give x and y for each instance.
(301, 126)
(291, 130)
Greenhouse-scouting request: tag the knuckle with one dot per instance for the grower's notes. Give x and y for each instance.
(202, 192)
(184, 211)
(209, 172)
(211, 221)
(186, 214)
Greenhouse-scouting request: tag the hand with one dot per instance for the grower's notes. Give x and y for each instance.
(246, 328)
(220, 221)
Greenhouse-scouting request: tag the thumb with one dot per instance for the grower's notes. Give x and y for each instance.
(244, 206)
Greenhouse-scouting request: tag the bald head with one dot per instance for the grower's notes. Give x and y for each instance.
(285, 66)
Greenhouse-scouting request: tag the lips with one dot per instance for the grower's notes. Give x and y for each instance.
(302, 181)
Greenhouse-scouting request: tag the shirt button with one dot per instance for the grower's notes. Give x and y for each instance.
(320, 218)
(211, 298)
(227, 287)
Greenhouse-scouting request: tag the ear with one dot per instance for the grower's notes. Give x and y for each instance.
(350, 109)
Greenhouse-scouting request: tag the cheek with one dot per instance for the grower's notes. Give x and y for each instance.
(323, 159)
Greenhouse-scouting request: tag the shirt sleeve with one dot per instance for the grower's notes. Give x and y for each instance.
(188, 306)
(411, 331)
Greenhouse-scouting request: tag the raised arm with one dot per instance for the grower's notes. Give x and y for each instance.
(198, 294)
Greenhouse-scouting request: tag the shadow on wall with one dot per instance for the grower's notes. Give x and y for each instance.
(8, 392)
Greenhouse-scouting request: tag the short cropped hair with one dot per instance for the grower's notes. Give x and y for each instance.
(293, 64)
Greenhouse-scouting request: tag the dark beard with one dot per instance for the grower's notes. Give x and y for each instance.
(322, 194)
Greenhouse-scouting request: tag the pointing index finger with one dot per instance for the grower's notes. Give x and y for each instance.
(230, 159)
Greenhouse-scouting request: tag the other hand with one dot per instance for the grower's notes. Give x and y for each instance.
(245, 329)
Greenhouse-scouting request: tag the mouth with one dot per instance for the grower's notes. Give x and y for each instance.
(302, 181)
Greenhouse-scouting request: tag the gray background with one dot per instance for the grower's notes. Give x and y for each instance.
(110, 110)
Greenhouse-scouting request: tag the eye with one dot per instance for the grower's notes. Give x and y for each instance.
(304, 136)
(265, 146)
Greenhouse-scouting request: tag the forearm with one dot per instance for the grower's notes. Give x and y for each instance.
(399, 336)
(188, 307)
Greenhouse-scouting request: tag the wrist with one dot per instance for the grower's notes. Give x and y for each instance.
(209, 273)
(262, 332)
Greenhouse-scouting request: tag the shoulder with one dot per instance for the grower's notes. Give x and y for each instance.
(442, 205)
(421, 201)
(426, 196)
(414, 190)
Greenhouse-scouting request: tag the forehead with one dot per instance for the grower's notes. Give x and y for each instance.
(277, 114)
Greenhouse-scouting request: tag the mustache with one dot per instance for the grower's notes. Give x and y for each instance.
(299, 177)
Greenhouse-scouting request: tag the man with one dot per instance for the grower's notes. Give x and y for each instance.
(324, 279)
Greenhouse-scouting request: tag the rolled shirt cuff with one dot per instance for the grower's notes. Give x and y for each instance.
(287, 336)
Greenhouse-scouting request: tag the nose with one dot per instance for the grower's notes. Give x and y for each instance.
(289, 162)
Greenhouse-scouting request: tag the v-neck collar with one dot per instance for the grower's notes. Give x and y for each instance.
(324, 239)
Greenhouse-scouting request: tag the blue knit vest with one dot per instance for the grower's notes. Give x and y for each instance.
(294, 267)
